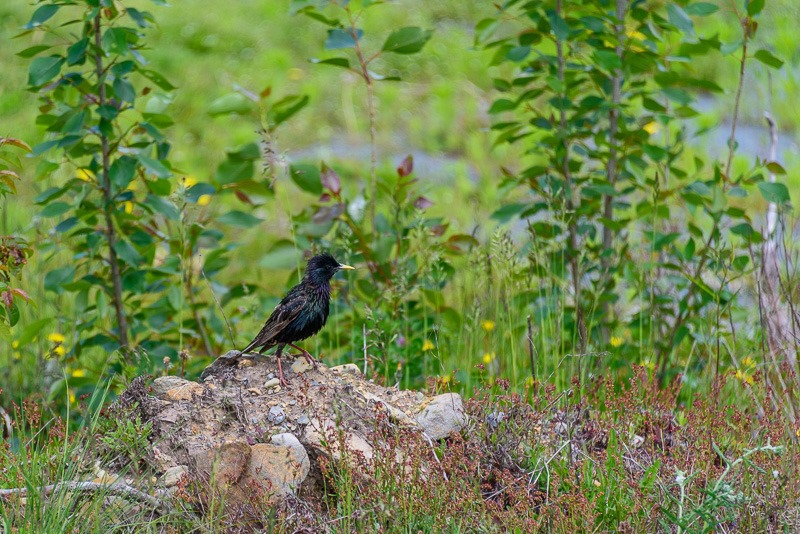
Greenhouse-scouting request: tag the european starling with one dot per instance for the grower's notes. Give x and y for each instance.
(302, 312)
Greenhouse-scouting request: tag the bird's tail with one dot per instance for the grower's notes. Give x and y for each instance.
(253, 344)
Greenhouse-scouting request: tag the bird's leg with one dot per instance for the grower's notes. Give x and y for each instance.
(281, 380)
(309, 358)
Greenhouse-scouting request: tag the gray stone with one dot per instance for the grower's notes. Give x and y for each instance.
(281, 466)
(442, 415)
(276, 415)
(346, 368)
(303, 420)
(165, 383)
(271, 383)
(301, 365)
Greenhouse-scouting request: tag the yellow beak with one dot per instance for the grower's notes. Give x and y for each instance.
(346, 267)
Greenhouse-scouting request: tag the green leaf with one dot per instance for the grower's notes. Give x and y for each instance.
(230, 103)
(163, 206)
(55, 209)
(679, 18)
(502, 104)
(408, 40)
(127, 253)
(701, 9)
(338, 38)
(342, 62)
(33, 330)
(33, 51)
(155, 167)
(57, 278)
(307, 177)
(775, 168)
(76, 53)
(774, 192)
(284, 108)
(115, 41)
(157, 79)
(508, 212)
(239, 219)
(766, 57)
(122, 172)
(41, 15)
(198, 190)
(754, 7)
(607, 59)
(232, 171)
(124, 90)
(44, 69)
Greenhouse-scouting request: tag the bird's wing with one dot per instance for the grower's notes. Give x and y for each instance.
(284, 313)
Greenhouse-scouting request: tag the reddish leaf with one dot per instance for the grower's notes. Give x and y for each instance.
(406, 166)
(330, 180)
(266, 92)
(7, 298)
(422, 203)
(325, 197)
(243, 197)
(21, 293)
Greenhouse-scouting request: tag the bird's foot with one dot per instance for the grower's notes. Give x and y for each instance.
(281, 380)
(310, 359)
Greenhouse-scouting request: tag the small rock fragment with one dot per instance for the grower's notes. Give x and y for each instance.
(301, 365)
(276, 415)
(163, 384)
(271, 383)
(173, 475)
(346, 368)
(184, 392)
(280, 466)
(444, 414)
(303, 420)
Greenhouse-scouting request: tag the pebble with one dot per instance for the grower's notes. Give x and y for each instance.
(303, 420)
(271, 383)
(276, 415)
(292, 402)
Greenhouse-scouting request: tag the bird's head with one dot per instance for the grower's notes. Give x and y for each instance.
(322, 267)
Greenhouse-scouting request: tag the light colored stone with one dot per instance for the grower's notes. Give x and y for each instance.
(346, 368)
(254, 391)
(301, 365)
(281, 466)
(163, 384)
(184, 392)
(173, 475)
(224, 465)
(323, 435)
(442, 415)
(271, 383)
(394, 414)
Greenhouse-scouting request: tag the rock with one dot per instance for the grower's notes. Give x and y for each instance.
(346, 368)
(254, 391)
(303, 420)
(173, 475)
(444, 414)
(271, 383)
(394, 414)
(276, 415)
(165, 383)
(184, 392)
(281, 466)
(225, 465)
(323, 436)
(301, 365)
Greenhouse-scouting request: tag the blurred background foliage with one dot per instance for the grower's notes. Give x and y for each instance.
(251, 144)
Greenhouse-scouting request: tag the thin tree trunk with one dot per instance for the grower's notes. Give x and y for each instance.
(570, 203)
(116, 279)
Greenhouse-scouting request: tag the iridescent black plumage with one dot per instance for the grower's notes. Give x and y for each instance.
(302, 312)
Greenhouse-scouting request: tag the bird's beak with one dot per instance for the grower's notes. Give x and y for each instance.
(346, 267)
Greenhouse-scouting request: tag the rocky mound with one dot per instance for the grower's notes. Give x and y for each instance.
(241, 434)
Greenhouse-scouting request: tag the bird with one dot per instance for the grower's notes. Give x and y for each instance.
(301, 313)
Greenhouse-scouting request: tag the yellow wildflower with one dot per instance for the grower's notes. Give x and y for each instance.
(650, 365)
(204, 200)
(84, 174)
(744, 377)
(633, 34)
(428, 345)
(71, 397)
(616, 341)
(59, 350)
(652, 127)
(15, 344)
(748, 362)
(78, 373)
(189, 181)
(488, 357)
(444, 380)
(56, 337)
(529, 382)
(487, 325)
(296, 74)
(128, 206)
